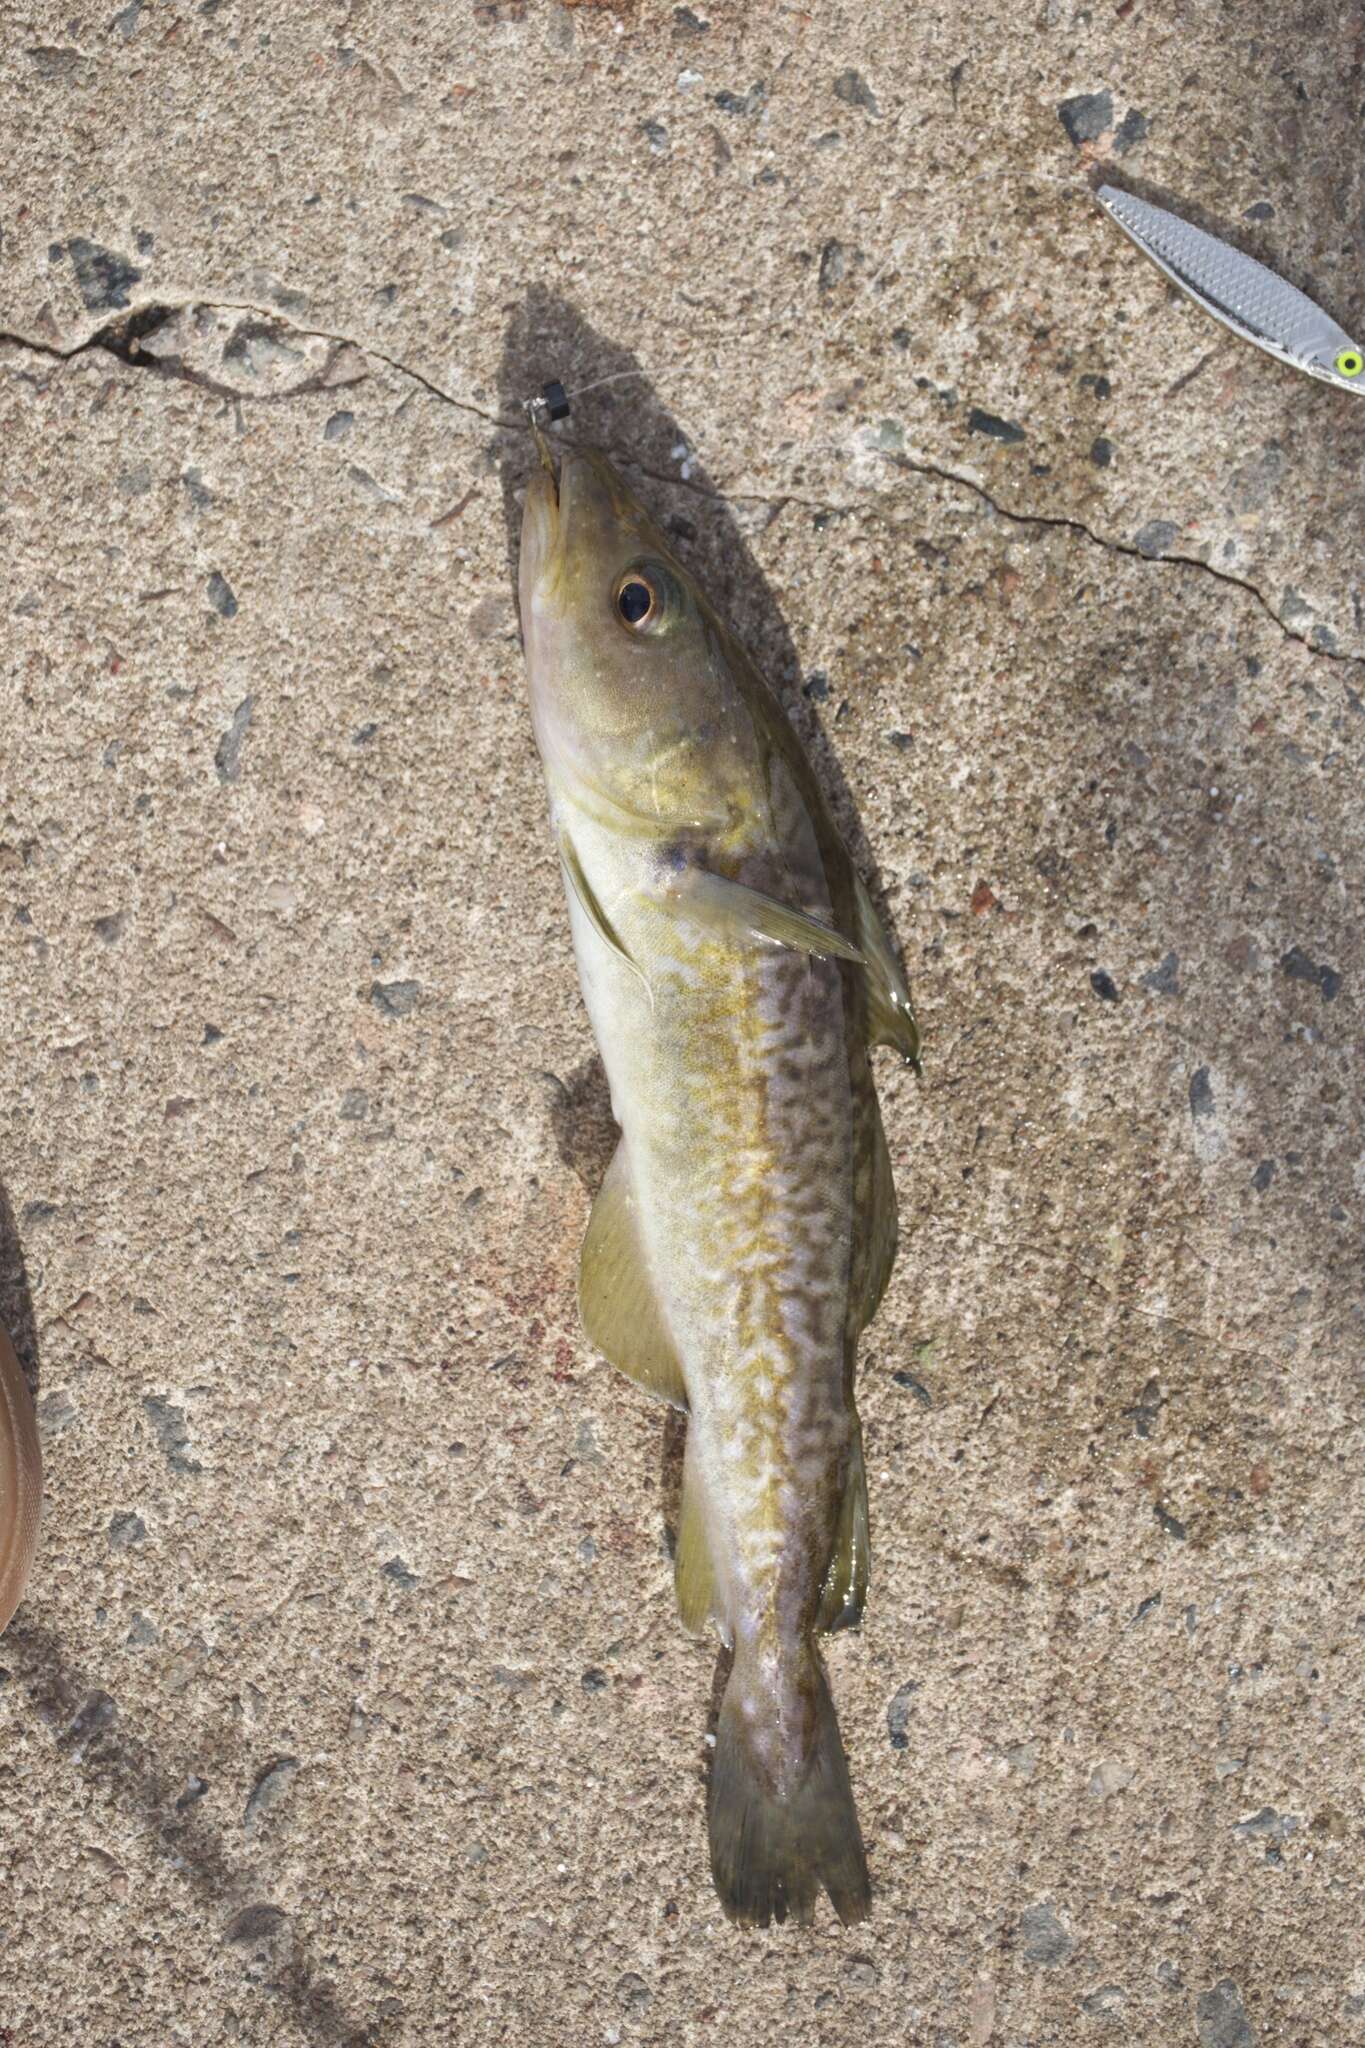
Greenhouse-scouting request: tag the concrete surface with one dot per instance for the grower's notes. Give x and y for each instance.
(348, 1704)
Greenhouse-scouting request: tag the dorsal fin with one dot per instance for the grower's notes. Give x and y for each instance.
(845, 1592)
(891, 1019)
(877, 1224)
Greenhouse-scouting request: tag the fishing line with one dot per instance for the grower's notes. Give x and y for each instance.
(552, 401)
(618, 377)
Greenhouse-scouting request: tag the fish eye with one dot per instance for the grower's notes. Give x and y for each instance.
(637, 601)
(1349, 363)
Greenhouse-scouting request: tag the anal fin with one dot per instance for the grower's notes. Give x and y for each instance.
(694, 1578)
(845, 1593)
(616, 1298)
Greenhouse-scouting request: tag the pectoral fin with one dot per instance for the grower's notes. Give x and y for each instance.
(845, 1593)
(891, 1020)
(747, 916)
(615, 1296)
(586, 898)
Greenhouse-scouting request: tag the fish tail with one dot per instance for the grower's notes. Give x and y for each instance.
(776, 1838)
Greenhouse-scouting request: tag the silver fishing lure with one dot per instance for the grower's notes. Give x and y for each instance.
(1240, 292)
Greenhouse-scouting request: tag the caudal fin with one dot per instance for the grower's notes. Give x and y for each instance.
(771, 1851)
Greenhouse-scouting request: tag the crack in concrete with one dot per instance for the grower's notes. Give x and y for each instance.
(1067, 524)
(120, 339)
(1057, 521)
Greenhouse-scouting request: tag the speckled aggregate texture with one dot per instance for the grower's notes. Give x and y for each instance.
(348, 1704)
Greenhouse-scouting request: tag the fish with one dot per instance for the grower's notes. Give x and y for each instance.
(21, 1482)
(736, 974)
(1243, 294)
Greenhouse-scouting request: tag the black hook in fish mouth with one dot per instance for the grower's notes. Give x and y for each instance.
(555, 400)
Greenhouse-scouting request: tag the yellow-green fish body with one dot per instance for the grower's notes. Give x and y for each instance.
(735, 974)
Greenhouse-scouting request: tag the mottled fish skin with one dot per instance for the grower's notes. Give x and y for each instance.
(1243, 294)
(748, 1170)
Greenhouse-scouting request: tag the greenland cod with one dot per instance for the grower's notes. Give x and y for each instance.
(735, 972)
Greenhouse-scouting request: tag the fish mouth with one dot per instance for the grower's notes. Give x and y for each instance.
(542, 527)
(574, 509)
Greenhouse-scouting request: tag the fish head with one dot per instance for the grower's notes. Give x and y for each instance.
(638, 699)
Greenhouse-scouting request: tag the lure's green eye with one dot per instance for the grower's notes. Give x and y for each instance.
(1349, 363)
